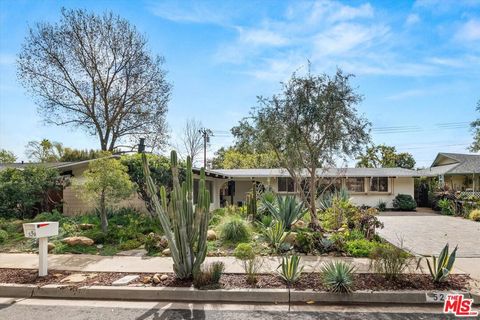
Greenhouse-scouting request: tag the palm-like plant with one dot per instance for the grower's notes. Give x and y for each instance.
(441, 268)
(287, 210)
(338, 276)
(290, 269)
(275, 235)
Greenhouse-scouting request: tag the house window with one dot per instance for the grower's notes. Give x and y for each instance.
(379, 184)
(329, 185)
(355, 184)
(286, 184)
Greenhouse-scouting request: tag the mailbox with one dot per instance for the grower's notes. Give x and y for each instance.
(40, 229)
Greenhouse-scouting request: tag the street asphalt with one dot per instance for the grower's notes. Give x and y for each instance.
(40, 309)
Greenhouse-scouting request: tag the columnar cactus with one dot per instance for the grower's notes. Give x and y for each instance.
(185, 224)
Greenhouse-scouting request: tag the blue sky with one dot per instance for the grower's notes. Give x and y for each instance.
(417, 63)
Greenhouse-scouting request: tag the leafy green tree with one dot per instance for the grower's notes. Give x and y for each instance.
(7, 156)
(71, 154)
(160, 172)
(309, 125)
(24, 193)
(233, 158)
(475, 125)
(44, 150)
(383, 156)
(106, 182)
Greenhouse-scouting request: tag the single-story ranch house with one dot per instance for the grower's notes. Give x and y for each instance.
(367, 186)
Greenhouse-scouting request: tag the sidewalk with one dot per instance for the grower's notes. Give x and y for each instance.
(94, 263)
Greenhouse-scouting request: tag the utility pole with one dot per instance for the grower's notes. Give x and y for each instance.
(206, 133)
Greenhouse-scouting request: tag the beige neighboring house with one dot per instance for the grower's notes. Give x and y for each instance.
(459, 172)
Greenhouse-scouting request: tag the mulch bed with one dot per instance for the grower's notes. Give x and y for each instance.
(362, 281)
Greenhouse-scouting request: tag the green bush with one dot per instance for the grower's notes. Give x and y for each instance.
(3, 236)
(234, 230)
(96, 235)
(360, 248)
(337, 276)
(474, 215)
(354, 234)
(49, 216)
(130, 244)
(275, 235)
(244, 251)
(404, 202)
(250, 263)
(389, 261)
(339, 215)
(382, 205)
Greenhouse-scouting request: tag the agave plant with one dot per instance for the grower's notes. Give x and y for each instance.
(338, 276)
(290, 269)
(325, 200)
(276, 235)
(441, 268)
(287, 210)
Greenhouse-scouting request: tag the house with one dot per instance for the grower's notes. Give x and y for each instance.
(457, 171)
(367, 186)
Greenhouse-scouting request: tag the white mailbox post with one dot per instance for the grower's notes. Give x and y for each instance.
(41, 230)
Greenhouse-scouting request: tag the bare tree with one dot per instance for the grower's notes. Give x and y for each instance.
(96, 72)
(192, 138)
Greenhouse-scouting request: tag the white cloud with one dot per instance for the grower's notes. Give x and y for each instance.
(261, 37)
(469, 31)
(333, 11)
(7, 59)
(188, 12)
(412, 19)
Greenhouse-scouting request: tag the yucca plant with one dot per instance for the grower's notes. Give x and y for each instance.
(275, 235)
(185, 225)
(287, 210)
(440, 268)
(290, 269)
(338, 276)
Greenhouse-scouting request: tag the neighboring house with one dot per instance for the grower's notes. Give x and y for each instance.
(459, 172)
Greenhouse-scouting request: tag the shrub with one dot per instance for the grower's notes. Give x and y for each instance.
(475, 215)
(290, 269)
(3, 236)
(287, 210)
(234, 230)
(326, 199)
(340, 214)
(354, 234)
(308, 242)
(404, 202)
(389, 261)
(275, 235)
(251, 264)
(337, 276)
(209, 276)
(216, 217)
(96, 235)
(49, 216)
(446, 206)
(360, 248)
(130, 244)
(382, 205)
(154, 244)
(366, 220)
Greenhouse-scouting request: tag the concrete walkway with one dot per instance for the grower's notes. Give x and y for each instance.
(94, 263)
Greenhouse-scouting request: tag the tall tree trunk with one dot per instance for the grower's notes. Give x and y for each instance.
(103, 214)
(313, 192)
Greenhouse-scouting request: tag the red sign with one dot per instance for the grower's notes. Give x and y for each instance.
(459, 306)
(42, 225)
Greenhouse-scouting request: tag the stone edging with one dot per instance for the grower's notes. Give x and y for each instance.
(220, 295)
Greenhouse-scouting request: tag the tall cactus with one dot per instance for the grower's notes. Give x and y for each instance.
(185, 224)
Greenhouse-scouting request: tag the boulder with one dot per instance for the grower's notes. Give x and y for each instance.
(299, 225)
(156, 278)
(163, 243)
(86, 226)
(146, 280)
(50, 246)
(164, 277)
(290, 239)
(166, 252)
(211, 235)
(78, 240)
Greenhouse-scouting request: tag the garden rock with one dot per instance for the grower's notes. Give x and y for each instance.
(298, 225)
(78, 277)
(78, 240)
(211, 235)
(164, 277)
(166, 252)
(86, 226)
(163, 242)
(290, 239)
(156, 278)
(50, 246)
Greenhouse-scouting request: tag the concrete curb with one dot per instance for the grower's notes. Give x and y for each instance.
(220, 295)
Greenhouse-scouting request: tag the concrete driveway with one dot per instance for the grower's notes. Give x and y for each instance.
(427, 233)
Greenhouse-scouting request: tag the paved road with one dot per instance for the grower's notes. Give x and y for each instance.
(426, 233)
(40, 309)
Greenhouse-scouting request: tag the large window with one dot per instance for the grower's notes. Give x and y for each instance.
(355, 184)
(379, 184)
(286, 184)
(329, 185)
